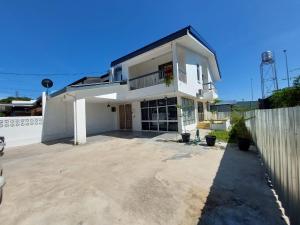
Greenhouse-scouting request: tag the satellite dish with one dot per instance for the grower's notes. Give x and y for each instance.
(47, 83)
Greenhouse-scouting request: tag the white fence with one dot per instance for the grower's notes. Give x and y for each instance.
(21, 130)
(217, 115)
(276, 133)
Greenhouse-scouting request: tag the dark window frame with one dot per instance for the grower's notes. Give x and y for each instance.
(198, 73)
(161, 69)
(169, 102)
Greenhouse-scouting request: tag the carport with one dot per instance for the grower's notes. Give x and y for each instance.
(83, 110)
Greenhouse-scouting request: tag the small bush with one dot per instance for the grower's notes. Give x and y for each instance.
(235, 117)
(239, 130)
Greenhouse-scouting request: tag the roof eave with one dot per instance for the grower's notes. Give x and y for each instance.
(171, 37)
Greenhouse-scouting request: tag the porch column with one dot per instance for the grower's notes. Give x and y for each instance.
(44, 102)
(79, 122)
(180, 115)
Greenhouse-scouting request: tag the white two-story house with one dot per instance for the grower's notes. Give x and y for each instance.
(162, 87)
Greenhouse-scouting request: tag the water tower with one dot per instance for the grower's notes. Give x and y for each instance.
(268, 74)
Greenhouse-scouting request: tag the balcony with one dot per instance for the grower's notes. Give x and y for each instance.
(209, 91)
(153, 78)
(146, 80)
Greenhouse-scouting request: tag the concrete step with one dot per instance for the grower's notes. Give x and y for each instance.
(203, 125)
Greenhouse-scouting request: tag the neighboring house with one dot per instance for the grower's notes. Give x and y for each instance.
(134, 94)
(22, 108)
(92, 80)
(228, 106)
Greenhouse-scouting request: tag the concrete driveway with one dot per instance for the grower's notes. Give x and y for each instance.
(127, 178)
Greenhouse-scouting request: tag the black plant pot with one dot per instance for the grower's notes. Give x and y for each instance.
(185, 137)
(210, 140)
(244, 144)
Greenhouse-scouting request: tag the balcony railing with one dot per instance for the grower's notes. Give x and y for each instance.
(146, 80)
(210, 86)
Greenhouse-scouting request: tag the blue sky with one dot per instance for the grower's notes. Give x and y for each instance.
(85, 36)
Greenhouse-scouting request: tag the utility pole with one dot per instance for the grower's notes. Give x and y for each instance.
(251, 89)
(287, 68)
(251, 93)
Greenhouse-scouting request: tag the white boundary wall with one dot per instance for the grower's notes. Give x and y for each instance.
(276, 133)
(21, 130)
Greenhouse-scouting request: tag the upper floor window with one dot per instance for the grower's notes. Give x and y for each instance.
(118, 74)
(199, 73)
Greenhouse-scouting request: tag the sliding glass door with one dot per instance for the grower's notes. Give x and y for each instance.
(159, 114)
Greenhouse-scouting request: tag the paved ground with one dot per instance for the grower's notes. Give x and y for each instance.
(124, 178)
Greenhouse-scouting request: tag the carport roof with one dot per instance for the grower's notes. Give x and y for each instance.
(85, 86)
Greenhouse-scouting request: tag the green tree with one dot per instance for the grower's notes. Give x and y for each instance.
(217, 101)
(296, 82)
(287, 97)
(10, 99)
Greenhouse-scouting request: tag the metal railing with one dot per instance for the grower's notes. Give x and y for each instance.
(146, 80)
(209, 86)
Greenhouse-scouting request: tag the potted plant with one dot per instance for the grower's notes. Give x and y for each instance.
(185, 135)
(243, 135)
(210, 140)
(168, 78)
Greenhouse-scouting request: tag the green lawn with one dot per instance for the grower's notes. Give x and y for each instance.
(221, 135)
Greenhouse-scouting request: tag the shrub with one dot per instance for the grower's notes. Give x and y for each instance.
(239, 130)
(235, 117)
(286, 97)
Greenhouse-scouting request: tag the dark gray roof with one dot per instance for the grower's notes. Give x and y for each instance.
(90, 80)
(185, 31)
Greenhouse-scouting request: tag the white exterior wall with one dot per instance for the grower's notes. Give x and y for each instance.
(192, 85)
(58, 119)
(124, 71)
(136, 116)
(21, 130)
(100, 118)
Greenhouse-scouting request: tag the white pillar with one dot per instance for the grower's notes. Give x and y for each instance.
(180, 115)
(196, 112)
(79, 122)
(175, 65)
(112, 74)
(44, 102)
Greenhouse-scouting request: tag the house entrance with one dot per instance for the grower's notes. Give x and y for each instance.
(125, 115)
(200, 112)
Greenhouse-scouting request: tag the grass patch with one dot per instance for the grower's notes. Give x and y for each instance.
(221, 135)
